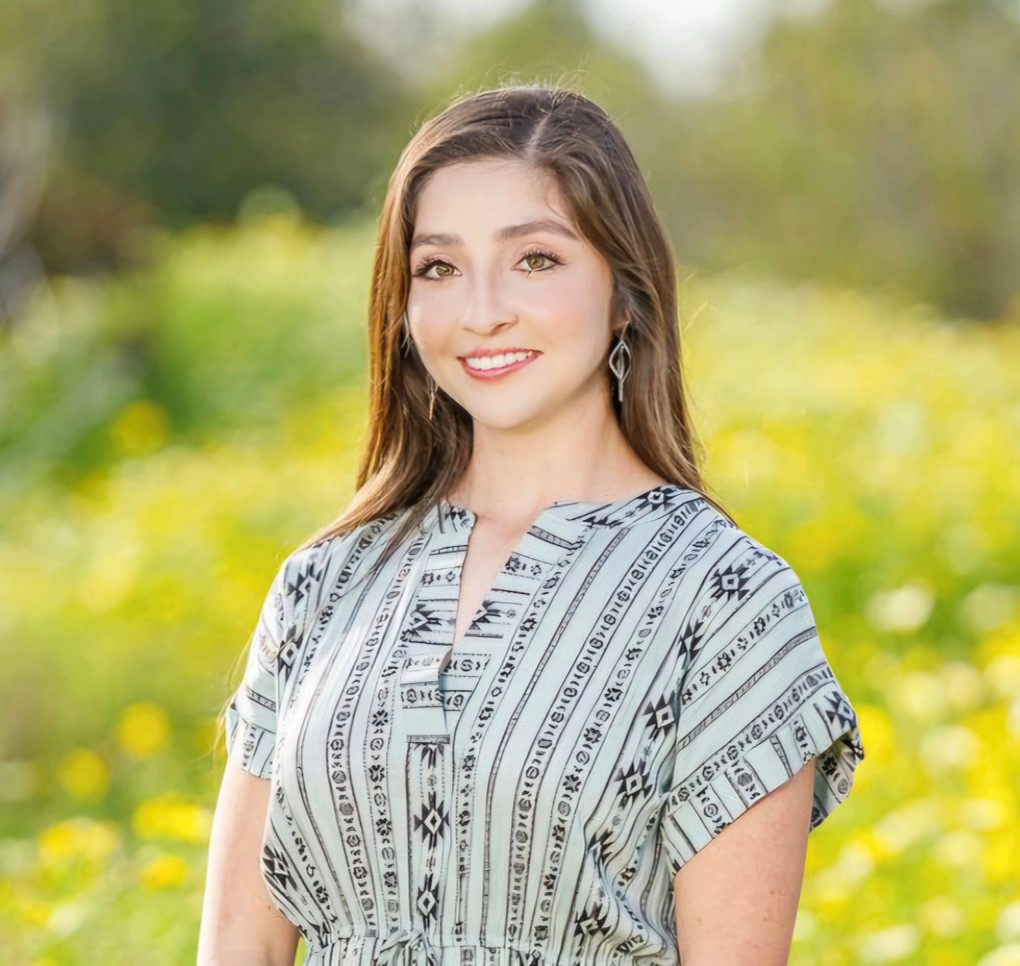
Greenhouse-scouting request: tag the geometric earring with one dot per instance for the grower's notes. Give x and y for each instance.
(620, 362)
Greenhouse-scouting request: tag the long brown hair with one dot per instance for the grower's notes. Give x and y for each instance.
(409, 461)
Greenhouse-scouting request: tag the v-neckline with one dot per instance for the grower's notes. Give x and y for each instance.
(498, 634)
(490, 593)
(555, 528)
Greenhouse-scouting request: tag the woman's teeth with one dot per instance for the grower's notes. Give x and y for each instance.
(498, 362)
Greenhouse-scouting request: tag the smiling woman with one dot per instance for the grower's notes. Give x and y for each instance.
(516, 298)
(534, 697)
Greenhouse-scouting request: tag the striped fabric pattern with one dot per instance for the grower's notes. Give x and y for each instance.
(640, 674)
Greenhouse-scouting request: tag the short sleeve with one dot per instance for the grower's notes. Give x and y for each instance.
(251, 712)
(756, 701)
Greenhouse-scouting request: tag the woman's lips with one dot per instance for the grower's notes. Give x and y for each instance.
(496, 373)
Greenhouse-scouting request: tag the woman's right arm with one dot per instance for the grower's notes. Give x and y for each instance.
(241, 926)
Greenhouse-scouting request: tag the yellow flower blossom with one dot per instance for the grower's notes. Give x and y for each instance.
(998, 859)
(881, 738)
(143, 730)
(16, 904)
(78, 837)
(989, 772)
(163, 872)
(1001, 641)
(140, 428)
(84, 774)
(172, 817)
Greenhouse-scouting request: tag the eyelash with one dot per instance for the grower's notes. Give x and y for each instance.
(420, 271)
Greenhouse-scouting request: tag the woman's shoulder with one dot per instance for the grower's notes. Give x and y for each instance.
(699, 533)
(337, 558)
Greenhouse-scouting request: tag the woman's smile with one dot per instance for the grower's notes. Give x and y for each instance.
(491, 365)
(498, 267)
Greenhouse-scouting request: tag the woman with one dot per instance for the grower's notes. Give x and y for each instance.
(511, 705)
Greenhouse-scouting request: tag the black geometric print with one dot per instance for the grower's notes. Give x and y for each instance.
(276, 868)
(640, 672)
(427, 903)
(422, 620)
(690, 639)
(659, 718)
(839, 711)
(305, 580)
(432, 822)
(732, 582)
(633, 782)
(429, 753)
(487, 613)
(592, 920)
(288, 652)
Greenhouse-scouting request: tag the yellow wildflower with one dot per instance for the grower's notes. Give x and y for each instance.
(78, 837)
(164, 872)
(140, 428)
(172, 817)
(143, 730)
(84, 774)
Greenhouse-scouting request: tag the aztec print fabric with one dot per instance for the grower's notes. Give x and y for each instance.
(640, 674)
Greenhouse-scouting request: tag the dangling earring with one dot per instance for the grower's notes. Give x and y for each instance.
(619, 362)
(406, 341)
(432, 396)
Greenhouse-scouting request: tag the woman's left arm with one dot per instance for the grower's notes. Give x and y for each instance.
(764, 748)
(736, 900)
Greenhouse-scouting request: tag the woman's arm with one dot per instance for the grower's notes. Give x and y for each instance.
(736, 900)
(240, 924)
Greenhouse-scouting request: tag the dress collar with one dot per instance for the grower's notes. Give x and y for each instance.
(654, 504)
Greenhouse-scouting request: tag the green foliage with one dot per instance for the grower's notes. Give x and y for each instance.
(871, 144)
(868, 146)
(547, 43)
(848, 433)
(222, 330)
(176, 111)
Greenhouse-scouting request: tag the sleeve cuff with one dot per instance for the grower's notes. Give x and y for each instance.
(249, 744)
(824, 729)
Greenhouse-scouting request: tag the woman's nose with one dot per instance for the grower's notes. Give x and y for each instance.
(487, 305)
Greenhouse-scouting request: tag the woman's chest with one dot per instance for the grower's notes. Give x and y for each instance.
(563, 684)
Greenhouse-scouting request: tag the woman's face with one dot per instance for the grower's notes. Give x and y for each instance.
(498, 267)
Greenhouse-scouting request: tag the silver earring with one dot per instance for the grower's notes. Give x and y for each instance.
(619, 362)
(406, 341)
(432, 396)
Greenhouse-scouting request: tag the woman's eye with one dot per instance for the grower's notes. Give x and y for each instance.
(529, 258)
(534, 262)
(429, 265)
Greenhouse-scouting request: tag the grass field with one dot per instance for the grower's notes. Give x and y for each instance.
(171, 436)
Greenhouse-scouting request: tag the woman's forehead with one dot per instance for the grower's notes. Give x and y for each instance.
(487, 191)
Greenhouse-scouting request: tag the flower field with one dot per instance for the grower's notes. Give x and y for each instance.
(170, 436)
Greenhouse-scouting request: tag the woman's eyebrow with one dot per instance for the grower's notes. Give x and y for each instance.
(503, 234)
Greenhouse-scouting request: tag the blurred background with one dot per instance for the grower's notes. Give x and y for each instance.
(188, 195)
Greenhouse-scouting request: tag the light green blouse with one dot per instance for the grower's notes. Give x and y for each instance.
(641, 673)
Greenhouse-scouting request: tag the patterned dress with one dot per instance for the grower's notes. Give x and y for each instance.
(641, 673)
